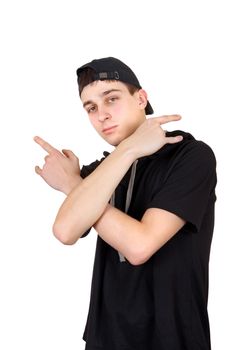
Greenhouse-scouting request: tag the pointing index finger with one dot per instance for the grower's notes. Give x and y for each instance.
(44, 144)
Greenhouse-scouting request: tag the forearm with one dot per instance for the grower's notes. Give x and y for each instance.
(124, 233)
(86, 202)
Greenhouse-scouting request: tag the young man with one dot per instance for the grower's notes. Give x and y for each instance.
(151, 202)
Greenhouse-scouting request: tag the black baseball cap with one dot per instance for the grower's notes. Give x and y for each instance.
(110, 68)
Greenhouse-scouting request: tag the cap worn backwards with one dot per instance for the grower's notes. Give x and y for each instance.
(110, 68)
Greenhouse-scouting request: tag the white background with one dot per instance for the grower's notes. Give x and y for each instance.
(181, 52)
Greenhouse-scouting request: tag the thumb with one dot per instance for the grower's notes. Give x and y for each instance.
(38, 170)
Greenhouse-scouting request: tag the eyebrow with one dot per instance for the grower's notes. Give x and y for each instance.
(102, 94)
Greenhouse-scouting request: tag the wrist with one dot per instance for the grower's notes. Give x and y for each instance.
(75, 181)
(128, 150)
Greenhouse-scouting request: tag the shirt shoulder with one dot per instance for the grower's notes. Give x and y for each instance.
(197, 155)
(189, 151)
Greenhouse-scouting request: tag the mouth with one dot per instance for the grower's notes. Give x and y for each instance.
(109, 130)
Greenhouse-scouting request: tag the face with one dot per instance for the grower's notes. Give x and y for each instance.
(113, 111)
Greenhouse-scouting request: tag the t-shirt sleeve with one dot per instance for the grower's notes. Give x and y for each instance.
(86, 170)
(189, 184)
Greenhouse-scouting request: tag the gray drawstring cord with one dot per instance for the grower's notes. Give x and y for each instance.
(128, 197)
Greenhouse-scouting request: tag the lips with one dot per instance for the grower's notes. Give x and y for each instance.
(109, 129)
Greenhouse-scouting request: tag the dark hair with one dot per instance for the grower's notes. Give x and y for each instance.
(87, 76)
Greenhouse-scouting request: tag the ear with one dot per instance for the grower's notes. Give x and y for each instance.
(142, 98)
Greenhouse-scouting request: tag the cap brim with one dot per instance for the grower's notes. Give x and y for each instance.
(149, 109)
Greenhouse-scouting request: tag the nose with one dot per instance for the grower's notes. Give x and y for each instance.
(103, 115)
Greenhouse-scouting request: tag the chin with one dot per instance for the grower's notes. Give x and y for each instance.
(113, 141)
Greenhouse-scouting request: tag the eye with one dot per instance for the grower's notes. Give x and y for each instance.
(91, 109)
(112, 99)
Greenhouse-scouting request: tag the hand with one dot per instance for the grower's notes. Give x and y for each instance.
(61, 170)
(150, 137)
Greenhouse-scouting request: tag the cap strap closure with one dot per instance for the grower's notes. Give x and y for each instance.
(107, 76)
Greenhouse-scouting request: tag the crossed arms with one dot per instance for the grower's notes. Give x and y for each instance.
(136, 240)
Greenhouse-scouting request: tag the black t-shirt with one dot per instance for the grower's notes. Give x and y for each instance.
(161, 304)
